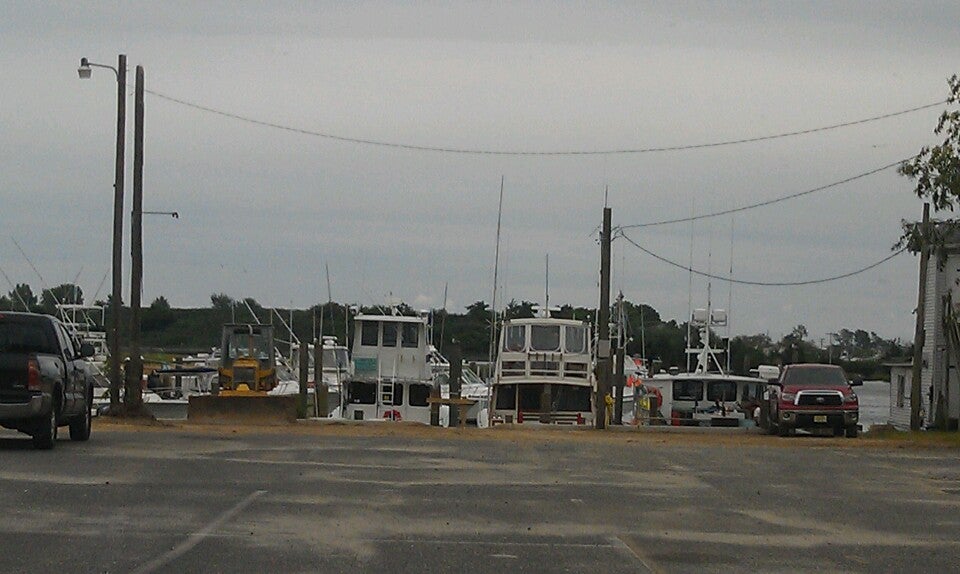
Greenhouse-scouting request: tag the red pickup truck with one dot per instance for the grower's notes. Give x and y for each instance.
(813, 396)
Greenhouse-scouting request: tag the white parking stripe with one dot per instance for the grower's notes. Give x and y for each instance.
(198, 536)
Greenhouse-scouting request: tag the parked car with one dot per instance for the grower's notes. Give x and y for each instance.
(45, 383)
(813, 396)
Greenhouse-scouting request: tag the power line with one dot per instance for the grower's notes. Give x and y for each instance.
(762, 283)
(478, 151)
(769, 201)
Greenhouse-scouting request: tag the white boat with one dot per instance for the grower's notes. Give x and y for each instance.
(544, 373)
(393, 377)
(707, 396)
(336, 372)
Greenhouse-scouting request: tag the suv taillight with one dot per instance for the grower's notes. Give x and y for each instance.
(33, 375)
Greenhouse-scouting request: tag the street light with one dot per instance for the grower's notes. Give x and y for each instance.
(84, 71)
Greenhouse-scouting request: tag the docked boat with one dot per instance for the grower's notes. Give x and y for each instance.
(393, 377)
(543, 373)
(707, 396)
(336, 371)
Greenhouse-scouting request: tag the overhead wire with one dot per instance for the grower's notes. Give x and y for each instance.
(480, 151)
(690, 269)
(769, 201)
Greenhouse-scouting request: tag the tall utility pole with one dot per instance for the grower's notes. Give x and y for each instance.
(133, 395)
(919, 333)
(603, 324)
(116, 305)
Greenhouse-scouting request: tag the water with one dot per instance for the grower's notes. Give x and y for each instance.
(874, 403)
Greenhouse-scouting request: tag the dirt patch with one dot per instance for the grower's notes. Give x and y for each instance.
(642, 436)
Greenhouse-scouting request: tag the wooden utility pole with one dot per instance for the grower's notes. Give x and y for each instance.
(133, 396)
(919, 334)
(116, 305)
(456, 371)
(603, 326)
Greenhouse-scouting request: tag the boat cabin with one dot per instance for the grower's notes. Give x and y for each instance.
(544, 373)
(392, 376)
(708, 399)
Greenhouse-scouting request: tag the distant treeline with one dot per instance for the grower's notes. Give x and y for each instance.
(172, 330)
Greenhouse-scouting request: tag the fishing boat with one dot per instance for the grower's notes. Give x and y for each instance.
(336, 371)
(708, 395)
(393, 377)
(543, 373)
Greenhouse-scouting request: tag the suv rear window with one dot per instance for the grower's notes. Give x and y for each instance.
(814, 376)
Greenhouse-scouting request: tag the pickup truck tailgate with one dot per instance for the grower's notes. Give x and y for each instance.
(13, 378)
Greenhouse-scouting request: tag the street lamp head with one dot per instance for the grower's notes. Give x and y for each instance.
(84, 69)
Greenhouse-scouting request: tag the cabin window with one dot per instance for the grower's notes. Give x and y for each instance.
(752, 392)
(397, 394)
(721, 391)
(530, 397)
(576, 340)
(569, 398)
(507, 397)
(368, 334)
(411, 335)
(418, 395)
(545, 337)
(361, 393)
(514, 341)
(901, 390)
(688, 390)
(389, 334)
(575, 370)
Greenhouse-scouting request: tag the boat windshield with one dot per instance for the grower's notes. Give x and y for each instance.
(576, 340)
(545, 337)
(335, 359)
(514, 341)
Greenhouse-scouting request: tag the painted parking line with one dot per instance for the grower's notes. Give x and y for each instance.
(198, 536)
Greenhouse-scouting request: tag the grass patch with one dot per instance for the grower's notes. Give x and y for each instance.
(930, 438)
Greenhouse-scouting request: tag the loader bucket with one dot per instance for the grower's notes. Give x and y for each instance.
(238, 409)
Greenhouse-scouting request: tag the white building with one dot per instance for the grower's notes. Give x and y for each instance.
(939, 379)
(901, 375)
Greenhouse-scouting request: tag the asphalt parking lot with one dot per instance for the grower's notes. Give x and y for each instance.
(296, 499)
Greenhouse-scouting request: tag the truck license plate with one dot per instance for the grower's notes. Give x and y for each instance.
(819, 418)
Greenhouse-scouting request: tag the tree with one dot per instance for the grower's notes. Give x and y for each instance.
(158, 316)
(22, 295)
(521, 310)
(221, 301)
(66, 293)
(936, 169)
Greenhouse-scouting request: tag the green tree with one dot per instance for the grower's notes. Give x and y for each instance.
(23, 299)
(66, 293)
(936, 169)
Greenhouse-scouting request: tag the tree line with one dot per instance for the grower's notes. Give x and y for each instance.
(646, 333)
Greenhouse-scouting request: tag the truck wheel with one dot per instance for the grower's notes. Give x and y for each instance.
(837, 431)
(852, 431)
(46, 434)
(80, 425)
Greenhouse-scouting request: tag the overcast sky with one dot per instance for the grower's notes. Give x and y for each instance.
(263, 210)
